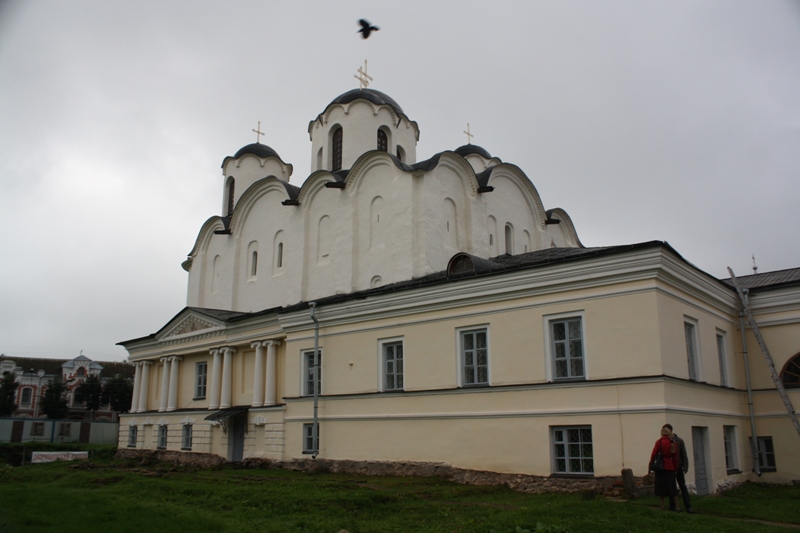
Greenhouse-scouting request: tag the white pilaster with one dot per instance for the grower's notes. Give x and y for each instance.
(162, 401)
(258, 375)
(144, 386)
(272, 356)
(137, 385)
(213, 401)
(173, 382)
(227, 373)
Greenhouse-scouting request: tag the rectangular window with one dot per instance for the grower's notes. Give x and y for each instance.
(133, 434)
(186, 438)
(201, 378)
(64, 429)
(37, 429)
(567, 348)
(162, 437)
(731, 453)
(723, 363)
(475, 357)
(572, 450)
(27, 395)
(766, 454)
(392, 365)
(308, 373)
(691, 350)
(308, 438)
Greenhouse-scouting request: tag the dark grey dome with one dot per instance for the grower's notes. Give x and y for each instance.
(467, 149)
(261, 150)
(376, 97)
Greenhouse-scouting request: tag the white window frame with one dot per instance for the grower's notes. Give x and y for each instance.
(133, 436)
(722, 355)
(200, 389)
(550, 358)
(383, 364)
(460, 355)
(162, 435)
(22, 402)
(186, 437)
(305, 377)
(692, 348)
(764, 455)
(731, 449)
(564, 443)
(308, 437)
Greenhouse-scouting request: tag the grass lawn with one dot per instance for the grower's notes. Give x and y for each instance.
(118, 496)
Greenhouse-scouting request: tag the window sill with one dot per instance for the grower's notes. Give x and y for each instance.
(161, 447)
(475, 386)
(186, 449)
(131, 446)
(571, 476)
(198, 398)
(568, 380)
(768, 469)
(732, 471)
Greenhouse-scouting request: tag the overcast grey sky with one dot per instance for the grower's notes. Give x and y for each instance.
(659, 120)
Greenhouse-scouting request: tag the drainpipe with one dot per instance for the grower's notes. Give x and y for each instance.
(753, 442)
(315, 426)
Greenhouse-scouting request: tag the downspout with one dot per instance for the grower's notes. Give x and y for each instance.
(315, 426)
(753, 440)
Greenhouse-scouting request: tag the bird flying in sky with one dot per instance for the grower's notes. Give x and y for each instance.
(366, 28)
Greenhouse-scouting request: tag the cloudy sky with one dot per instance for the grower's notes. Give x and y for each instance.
(659, 120)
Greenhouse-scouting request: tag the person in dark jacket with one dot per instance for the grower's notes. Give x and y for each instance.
(665, 478)
(683, 467)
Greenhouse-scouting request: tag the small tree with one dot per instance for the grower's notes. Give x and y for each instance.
(8, 389)
(90, 393)
(54, 402)
(118, 393)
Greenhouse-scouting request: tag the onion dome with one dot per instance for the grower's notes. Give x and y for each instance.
(467, 149)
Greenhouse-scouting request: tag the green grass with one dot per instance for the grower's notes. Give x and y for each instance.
(118, 496)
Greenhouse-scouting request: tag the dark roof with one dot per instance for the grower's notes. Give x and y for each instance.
(261, 150)
(767, 280)
(371, 95)
(54, 366)
(467, 149)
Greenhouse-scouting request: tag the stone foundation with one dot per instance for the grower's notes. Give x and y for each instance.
(610, 486)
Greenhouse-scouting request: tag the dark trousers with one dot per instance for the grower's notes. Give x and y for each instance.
(687, 504)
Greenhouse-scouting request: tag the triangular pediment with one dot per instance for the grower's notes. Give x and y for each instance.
(188, 324)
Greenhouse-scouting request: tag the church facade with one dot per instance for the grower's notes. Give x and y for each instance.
(455, 320)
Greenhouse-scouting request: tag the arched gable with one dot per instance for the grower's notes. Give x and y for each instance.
(566, 224)
(531, 196)
(254, 193)
(215, 223)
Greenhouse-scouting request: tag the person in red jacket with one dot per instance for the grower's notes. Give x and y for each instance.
(665, 479)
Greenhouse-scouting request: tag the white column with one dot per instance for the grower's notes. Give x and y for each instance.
(173, 382)
(162, 401)
(137, 384)
(227, 372)
(258, 375)
(144, 386)
(272, 356)
(213, 401)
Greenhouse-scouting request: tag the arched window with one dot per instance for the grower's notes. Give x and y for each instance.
(336, 150)
(25, 399)
(80, 372)
(383, 141)
(509, 239)
(790, 375)
(230, 196)
(401, 155)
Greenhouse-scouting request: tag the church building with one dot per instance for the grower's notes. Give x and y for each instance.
(398, 310)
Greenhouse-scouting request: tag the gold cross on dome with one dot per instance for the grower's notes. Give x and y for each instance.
(258, 133)
(469, 135)
(362, 77)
